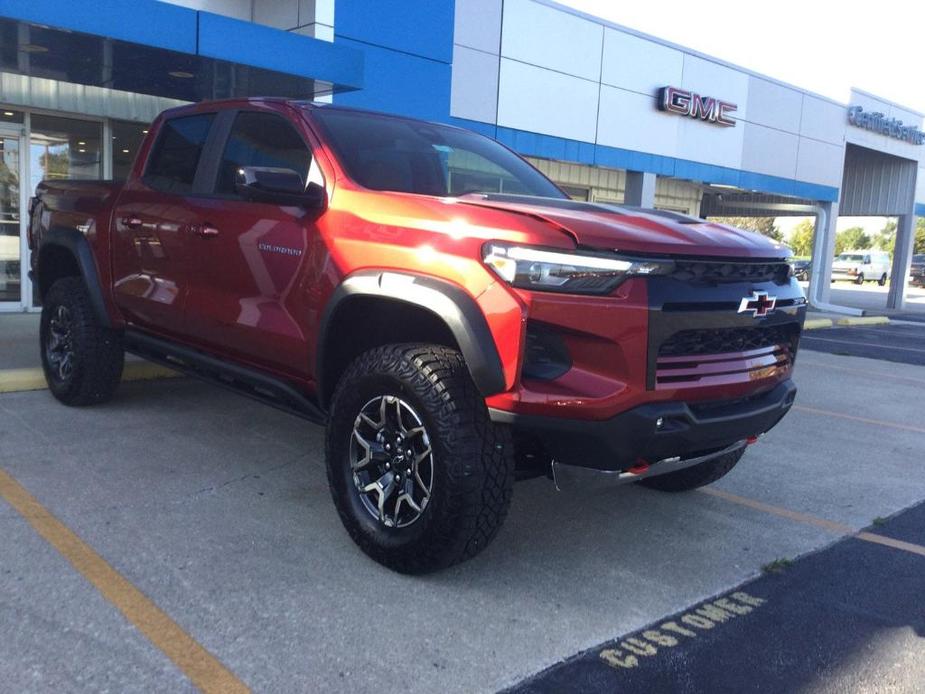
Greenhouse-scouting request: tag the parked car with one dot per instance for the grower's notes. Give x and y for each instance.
(802, 268)
(917, 270)
(862, 266)
(365, 272)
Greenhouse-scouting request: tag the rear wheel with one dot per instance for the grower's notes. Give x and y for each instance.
(421, 477)
(882, 280)
(696, 476)
(81, 358)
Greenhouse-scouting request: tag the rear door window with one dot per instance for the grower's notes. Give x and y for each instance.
(175, 159)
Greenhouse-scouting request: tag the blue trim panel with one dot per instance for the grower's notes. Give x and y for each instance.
(550, 147)
(416, 27)
(237, 41)
(400, 83)
(920, 209)
(147, 22)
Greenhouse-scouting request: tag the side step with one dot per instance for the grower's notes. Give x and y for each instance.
(250, 382)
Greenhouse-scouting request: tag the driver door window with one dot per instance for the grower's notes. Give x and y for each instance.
(261, 139)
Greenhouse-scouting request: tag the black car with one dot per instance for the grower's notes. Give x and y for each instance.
(802, 268)
(917, 270)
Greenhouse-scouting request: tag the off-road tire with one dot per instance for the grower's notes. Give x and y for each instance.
(696, 476)
(98, 355)
(473, 459)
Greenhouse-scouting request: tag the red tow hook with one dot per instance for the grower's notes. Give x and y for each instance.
(640, 467)
(750, 440)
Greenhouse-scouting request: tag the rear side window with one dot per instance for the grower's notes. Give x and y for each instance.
(173, 163)
(262, 139)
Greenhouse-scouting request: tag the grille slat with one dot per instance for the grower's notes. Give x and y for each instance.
(717, 356)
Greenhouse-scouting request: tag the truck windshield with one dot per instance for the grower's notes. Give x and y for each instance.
(407, 156)
(851, 257)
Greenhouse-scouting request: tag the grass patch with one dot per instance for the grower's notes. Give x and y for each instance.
(777, 566)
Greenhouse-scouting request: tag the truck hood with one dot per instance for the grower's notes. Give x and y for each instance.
(633, 230)
(845, 265)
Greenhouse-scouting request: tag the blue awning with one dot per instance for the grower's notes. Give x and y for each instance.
(161, 49)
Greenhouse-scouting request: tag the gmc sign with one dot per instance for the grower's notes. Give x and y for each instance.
(685, 103)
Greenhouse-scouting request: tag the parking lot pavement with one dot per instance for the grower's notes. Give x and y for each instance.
(870, 296)
(216, 508)
(898, 342)
(815, 625)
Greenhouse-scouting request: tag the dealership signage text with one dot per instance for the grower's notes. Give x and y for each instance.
(879, 123)
(686, 103)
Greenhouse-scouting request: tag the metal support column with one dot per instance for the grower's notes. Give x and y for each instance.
(640, 189)
(902, 257)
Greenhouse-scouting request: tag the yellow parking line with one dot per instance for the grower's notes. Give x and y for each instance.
(831, 526)
(17, 380)
(863, 320)
(202, 668)
(855, 418)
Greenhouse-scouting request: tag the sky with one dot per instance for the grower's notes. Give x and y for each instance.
(824, 46)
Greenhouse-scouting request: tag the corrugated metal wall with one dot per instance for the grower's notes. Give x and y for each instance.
(876, 184)
(609, 185)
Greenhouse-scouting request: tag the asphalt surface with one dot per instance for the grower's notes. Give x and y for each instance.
(896, 342)
(216, 509)
(849, 618)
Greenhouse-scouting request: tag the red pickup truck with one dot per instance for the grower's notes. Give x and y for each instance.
(452, 317)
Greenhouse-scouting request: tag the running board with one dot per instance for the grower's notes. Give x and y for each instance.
(249, 382)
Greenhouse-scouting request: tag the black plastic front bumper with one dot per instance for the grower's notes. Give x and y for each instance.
(686, 429)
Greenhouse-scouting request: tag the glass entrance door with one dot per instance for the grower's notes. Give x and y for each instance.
(12, 267)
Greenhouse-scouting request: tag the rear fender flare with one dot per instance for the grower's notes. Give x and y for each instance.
(78, 246)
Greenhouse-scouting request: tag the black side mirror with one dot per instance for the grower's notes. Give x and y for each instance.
(278, 186)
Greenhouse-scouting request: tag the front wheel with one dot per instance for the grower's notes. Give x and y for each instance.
(696, 476)
(421, 477)
(882, 280)
(81, 358)
(859, 279)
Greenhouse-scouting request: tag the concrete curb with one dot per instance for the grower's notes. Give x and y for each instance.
(19, 380)
(815, 323)
(864, 320)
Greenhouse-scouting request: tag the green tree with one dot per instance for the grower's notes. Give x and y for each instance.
(919, 246)
(851, 239)
(801, 240)
(885, 240)
(763, 225)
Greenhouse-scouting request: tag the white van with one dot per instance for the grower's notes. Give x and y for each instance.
(862, 266)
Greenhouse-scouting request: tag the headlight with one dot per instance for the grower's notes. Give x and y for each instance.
(548, 270)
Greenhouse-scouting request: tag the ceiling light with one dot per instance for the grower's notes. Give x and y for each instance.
(145, 132)
(124, 151)
(33, 48)
(81, 143)
(181, 74)
(81, 150)
(8, 113)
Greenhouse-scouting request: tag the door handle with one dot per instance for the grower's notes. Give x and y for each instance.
(206, 230)
(131, 222)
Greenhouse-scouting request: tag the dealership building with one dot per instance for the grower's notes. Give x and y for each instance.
(608, 113)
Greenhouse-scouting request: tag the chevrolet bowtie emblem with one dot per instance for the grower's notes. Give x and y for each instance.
(759, 304)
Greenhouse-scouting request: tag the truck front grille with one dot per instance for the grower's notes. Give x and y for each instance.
(720, 356)
(722, 272)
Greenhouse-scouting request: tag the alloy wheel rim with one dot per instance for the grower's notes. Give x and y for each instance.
(391, 461)
(59, 349)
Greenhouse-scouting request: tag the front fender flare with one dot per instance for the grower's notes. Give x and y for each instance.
(449, 302)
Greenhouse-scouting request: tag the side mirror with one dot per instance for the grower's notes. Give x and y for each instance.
(278, 186)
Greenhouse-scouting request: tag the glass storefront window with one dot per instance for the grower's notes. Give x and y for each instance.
(10, 266)
(64, 148)
(126, 139)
